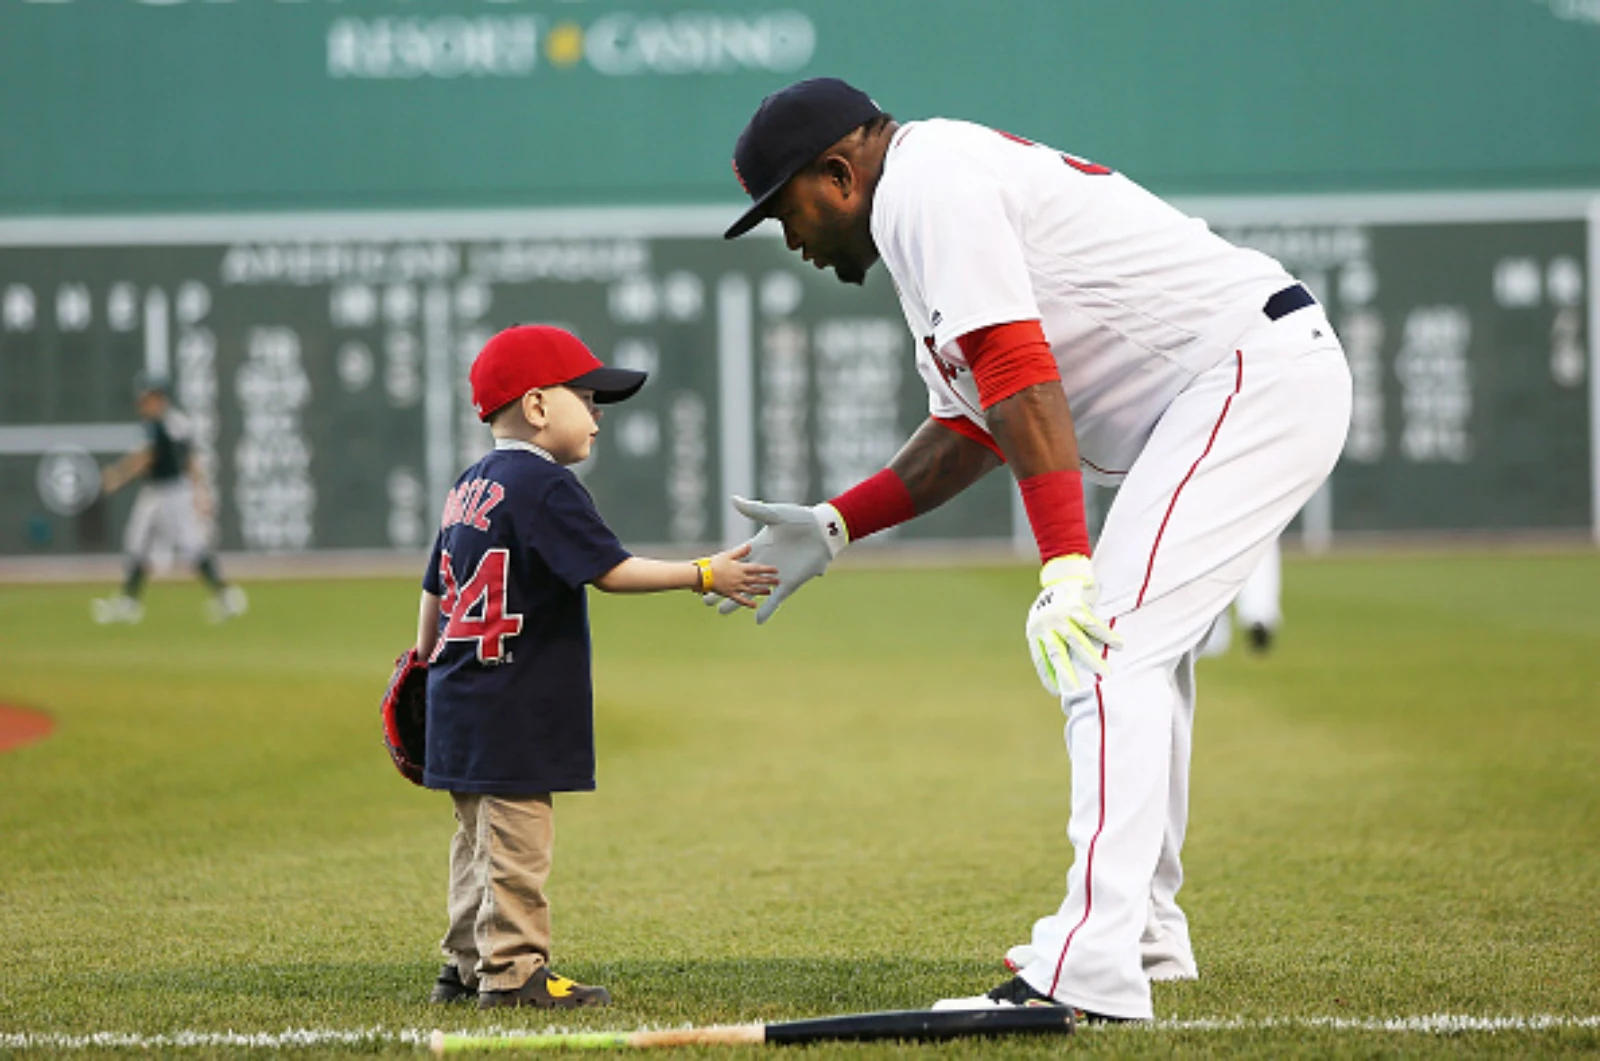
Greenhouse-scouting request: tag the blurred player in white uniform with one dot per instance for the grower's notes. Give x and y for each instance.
(1070, 324)
(173, 505)
(1258, 610)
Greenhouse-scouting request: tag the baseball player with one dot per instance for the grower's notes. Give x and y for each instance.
(1258, 608)
(173, 503)
(1068, 323)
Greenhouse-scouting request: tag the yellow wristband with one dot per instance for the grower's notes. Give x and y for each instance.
(703, 565)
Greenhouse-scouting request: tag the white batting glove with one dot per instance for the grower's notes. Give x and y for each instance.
(1065, 638)
(799, 540)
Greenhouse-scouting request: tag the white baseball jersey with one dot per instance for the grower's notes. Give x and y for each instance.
(978, 228)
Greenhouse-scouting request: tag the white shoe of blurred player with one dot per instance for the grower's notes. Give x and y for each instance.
(118, 609)
(229, 604)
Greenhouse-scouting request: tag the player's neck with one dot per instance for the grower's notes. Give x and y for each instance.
(881, 142)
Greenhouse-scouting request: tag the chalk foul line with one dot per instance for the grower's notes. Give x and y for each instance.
(1433, 1024)
(295, 1038)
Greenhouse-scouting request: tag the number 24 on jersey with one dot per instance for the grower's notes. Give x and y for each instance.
(476, 611)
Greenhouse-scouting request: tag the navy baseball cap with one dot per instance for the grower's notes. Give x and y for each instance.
(791, 127)
(528, 356)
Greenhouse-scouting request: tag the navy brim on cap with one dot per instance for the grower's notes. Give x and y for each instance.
(758, 210)
(791, 128)
(610, 384)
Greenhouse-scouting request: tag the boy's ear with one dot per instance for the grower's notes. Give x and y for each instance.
(533, 408)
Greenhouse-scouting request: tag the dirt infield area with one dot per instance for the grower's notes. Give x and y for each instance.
(19, 727)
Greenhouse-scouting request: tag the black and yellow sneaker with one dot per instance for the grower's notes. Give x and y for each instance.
(546, 990)
(450, 988)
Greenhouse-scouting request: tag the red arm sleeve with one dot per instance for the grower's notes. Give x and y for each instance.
(1005, 359)
(1055, 507)
(874, 504)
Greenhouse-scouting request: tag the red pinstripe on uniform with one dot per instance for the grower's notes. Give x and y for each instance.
(1103, 471)
(1100, 703)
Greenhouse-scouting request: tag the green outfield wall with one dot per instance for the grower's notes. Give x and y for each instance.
(223, 105)
(311, 213)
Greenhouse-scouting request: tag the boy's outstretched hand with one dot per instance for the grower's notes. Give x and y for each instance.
(723, 573)
(738, 581)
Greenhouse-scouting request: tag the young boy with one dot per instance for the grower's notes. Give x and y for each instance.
(173, 501)
(504, 627)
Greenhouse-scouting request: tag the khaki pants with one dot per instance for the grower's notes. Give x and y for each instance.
(499, 861)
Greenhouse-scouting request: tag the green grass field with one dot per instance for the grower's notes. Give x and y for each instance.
(858, 806)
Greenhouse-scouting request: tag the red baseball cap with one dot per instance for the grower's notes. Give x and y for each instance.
(529, 356)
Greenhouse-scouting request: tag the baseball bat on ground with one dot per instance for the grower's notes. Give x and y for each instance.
(913, 1024)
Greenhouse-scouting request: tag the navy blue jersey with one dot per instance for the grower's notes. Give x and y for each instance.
(168, 439)
(510, 700)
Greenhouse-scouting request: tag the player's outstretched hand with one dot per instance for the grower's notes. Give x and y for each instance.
(800, 540)
(740, 583)
(1065, 638)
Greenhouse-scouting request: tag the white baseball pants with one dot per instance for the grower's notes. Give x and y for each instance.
(1228, 465)
(165, 510)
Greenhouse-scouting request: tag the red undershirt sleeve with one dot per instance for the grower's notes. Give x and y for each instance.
(1007, 358)
(967, 429)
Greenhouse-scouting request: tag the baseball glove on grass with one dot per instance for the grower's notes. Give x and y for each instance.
(405, 716)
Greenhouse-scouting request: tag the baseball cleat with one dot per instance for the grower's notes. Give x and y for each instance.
(449, 987)
(1260, 637)
(1015, 992)
(1018, 993)
(118, 609)
(546, 990)
(229, 603)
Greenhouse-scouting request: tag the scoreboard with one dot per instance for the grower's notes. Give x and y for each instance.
(324, 362)
(1470, 343)
(322, 359)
